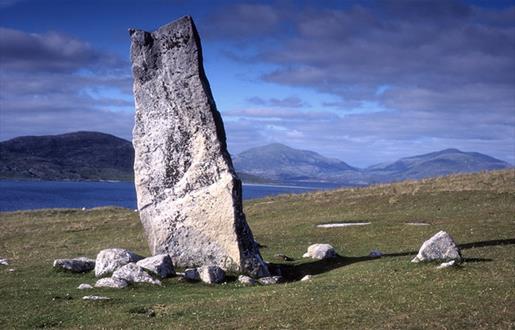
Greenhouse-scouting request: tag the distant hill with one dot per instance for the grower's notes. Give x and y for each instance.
(434, 164)
(72, 156)
(279, 162)
(99, 156)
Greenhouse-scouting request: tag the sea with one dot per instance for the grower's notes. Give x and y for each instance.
(30, 195)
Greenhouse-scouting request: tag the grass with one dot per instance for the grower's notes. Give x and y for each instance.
(349, 292)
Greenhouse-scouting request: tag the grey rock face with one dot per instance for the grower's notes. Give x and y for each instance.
(111, 282)
(133, 273)
(247, 280)
(85, 286)
(109, 260)
(211, 274)
(191, 274)
(320, 251)
(76, 265)
(160, 265)
(189, 197)
(439, 247)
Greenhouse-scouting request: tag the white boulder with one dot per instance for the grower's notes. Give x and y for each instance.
(109, 260)
(439, 247)
(320, 251)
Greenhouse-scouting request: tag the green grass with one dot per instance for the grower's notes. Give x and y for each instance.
(351, 292)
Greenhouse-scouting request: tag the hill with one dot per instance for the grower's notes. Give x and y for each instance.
(352, 291)
(72, 156)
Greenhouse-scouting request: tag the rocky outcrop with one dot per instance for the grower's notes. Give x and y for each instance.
(189, 197)
(132, 273)
(211, 274)
(76, 265)
(439, 247)
(320, 251)
(109, 260)
(160, 265)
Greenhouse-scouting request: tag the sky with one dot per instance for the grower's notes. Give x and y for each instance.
(362, 81)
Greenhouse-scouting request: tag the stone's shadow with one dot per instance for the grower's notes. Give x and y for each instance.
(292, 273)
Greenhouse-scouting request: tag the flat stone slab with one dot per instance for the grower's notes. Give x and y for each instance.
(342, 224)
(95, 298)
(85, 286)
(189, 196)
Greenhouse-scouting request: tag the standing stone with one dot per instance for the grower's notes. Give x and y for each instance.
(189, 197)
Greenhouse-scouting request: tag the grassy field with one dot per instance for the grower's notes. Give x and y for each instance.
(350, 292)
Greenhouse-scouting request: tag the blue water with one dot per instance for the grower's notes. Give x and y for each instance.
(28, 195)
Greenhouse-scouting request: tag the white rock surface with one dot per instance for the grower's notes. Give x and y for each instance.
(75, 265)
(189, 197)
(211, 274)
(247, 280)
(306, 278)
(191, 274)
(109, 260)
(160, 265)
(85, 286)
(320, 251)
(133, 273)
(439, 247)
(270, 280)
(111, 282)
(447, 264)
(95, 298)
(4, 262)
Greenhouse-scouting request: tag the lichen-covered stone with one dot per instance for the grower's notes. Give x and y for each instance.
(110, 282)
(320, 251)
(211, 274)
(439, 247)
(189, 197)
(160, 265)
(132, 273)
(75, 265)
(109, 260)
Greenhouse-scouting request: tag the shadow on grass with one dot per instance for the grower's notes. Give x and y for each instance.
(293, 273)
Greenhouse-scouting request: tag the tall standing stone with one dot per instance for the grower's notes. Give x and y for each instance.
(189, 196)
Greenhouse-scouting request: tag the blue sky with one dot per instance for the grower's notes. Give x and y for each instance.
(362, 81)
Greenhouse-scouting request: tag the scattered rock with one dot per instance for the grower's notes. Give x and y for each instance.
(4, 262)
(191, 274)
(75, 265)
(111, 282)
(189, 196)
(247, 280)
(283, 257)
(447, 264)
(95, 298)
(12, 270)
(439, 247)
(133, 273)
(109, 260)
(306, 278)
(160, 265)
(85, 286)
(375, 254)
(270, 280)
(320, 251)
(211, 274)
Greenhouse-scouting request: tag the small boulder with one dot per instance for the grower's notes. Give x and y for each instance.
(109, 260)
(246, 280)
(95, 298)
(85, 286)
(133, 273)
(447, 264)
(191, 275)
(75, 265)
(375, 254)
(211, 274)
(111, 282)
(320, 251)
(439, 247)
(306, 278)
(160, 265)
(270, 280)
(4, 262)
